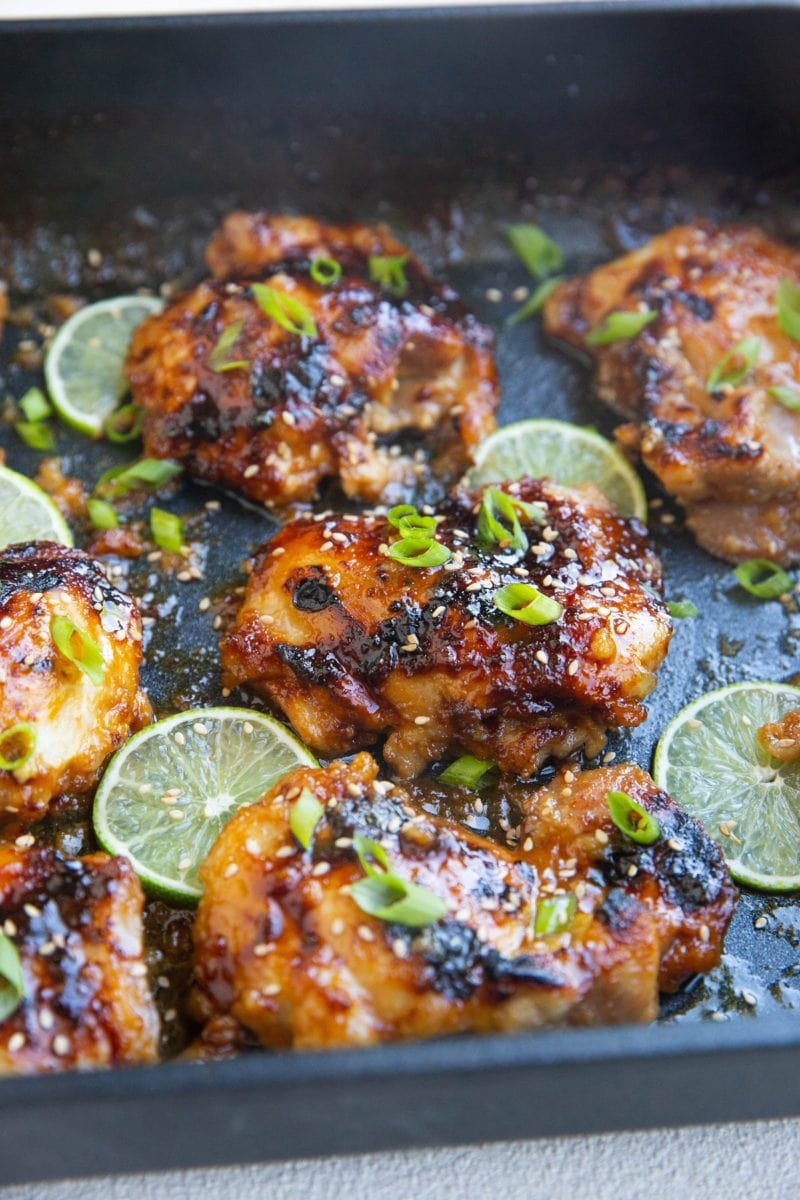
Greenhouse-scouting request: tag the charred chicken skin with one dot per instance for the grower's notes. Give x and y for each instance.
(77, 926)
(729, 451)
(351, 644)
(59, 721)
(282, 945)
(313, 374)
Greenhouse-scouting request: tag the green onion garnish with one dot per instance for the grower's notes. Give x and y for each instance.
(289, 313)
(325, 271)
(735, 365)
(633, 820)
(388, 271)
(410, 522)
(764, 579)
(498, 523)
(11, 982)
(36, 434)
(102, 514)
(78, 648)
(554, 914)
(146, 473)
(788, 301)
(304, 817)
(619, 326)
(524, 602)
(219, 359)
(167, 530)
(540, 254)
(788, 397)
(125, 424)
(419, 551)
(35, 405)
(386, 895)
(20, 737)
(536, 302)
(681, 609)
(467, 771)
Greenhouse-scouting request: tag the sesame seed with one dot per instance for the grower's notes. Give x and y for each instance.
(184, 576)
(438, 612)
(399, 948)
(184, 864)
(180, 740)
(421, 720)
(343, 843)
(200, 729)
(609, 757)
(272, 989)
(250, 471)
(46, 1018)
(248, 727)
(365, 933)
(16, 1042)
(750, 999)
(231, 870)
(528, 843)
(138, 970)
(320, 868)
(540, 656)
(213, 505)
(328, 545)
(252, 846)
(632, 871)
(61, 1045)
(32, 911)
(205, 604)
(569, 776)
(176, 814)
(494, 295)
(24, 841)
(601, 836)
(261, 950)
(693, 723)
(337, 926)
(705, 933)
(6, 623)
(285, 852)
(9, 927)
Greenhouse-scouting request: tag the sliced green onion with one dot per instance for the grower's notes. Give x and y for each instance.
(325, 271)
(167, 530)
(498, 523)
(11, 982)
(524, 602)
(682, 609)
(85, 655)
(23, 732)
(788, 301)
(554, 914)
(411, 523)
(466, 771)
(619, 326)
(146, 473)
(219, 359)
(289, 313)
(536, 302)
(540, 254)
(388, 271)
(35, 405)
(418, 551)
(102, 514)
(36, 434)
(633, 820)
(304, 817)
(395, 516)
(763, 578)
(386, 895)
(734, 366)
(788, 397)
(125, 424)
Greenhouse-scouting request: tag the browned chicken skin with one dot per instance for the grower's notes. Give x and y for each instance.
(352, 645)
(77, 926)
(304, 408)
(77, 723)
(281, 945)
(732, 456)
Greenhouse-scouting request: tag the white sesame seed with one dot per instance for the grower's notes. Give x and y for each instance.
(16, 1042)
(250, 471)
(673, 844)
(285, 852)
(138, 970)
(421, 720)
(46, 1018)
(399, 948)
(230, 871)
(261, 950)
(494, 295)
(32, 911)
(180, 740)
(632, 871)
(200, 729)
(541, 656)
(248, 727)
(205, 604)
(61, 1045)
(6, 623)
(750, 999)
(252, 846)
(760, 923)
(320, 868)
(9, 927)
(601, 836)
(705, 933)
(176, 814)
(272, 989)
(184, 864)
(24, 841)
(365, 933)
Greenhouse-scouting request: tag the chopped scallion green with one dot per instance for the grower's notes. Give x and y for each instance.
(619, 326)
(78, 648)
(631, 819)
(35, 405)
(102, 514)
(498, 522)
(36, 434)
(467, 771)
(736, 365)
(17, 744)
(146, 473)
(125, 424)
(304, 817)
(11, 981)
(788, 397)
(325, 271)
(219, 359)
(788, 303)
(419, 551)
(287, 311)
(554, 914)
(386, 895)
(536, 302)
(681, 609)
(167, 530)
(540, 254)
(388, 271)
(763, 578)
(524, 602)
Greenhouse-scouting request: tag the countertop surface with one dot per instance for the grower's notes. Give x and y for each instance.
(733, 1161)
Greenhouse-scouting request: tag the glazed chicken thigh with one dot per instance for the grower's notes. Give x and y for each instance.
(77, 926)
(351, 644)
(729, 451)
(268, 381)
(581, 926)
(70, 650)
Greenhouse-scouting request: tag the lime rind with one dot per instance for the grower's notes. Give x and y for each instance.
(84, 364)
(718, 771)
(27, 514)
(168, 792)
(568, 454)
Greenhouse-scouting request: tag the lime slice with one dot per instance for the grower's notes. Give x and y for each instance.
(710, 761)
(567, 454)
(167, 793)
(27, 514)
(84, 364)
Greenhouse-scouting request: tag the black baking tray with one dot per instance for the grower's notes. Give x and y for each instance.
(603, 122)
